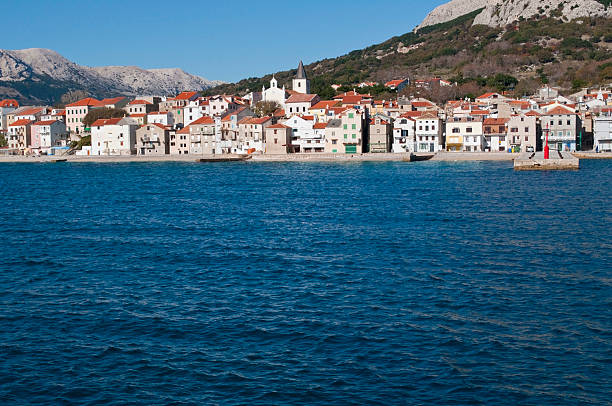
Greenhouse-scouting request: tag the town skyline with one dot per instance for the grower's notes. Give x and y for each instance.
(201, 40)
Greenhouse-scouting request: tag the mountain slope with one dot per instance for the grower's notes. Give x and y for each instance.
(568, 54)
(43, 75)
(498, 13)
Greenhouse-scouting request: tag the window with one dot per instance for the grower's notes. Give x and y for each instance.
(526, 138)
(345, 126)
(468, 130)
(351, 115)
(354, 136)
(569, 122)
(345, 136)
(455, 131)
(276, 140)
(560, 122)
(334, 142)
(514, 130)
(354, 126)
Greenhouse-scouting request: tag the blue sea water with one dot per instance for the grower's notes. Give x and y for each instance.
(315, 283)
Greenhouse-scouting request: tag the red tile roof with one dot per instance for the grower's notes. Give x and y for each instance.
(301, 98)
(19, 123)
(106, 121)
(138, 102)
(46, 122)
(184, 130)
(319, 126)
(279, 125)
(396, 82)
(496, 121)
(9, 103)
(560, 111)
(422, 104)
(89, 101)
(412, 114)
(114, 100)
(186, 96)
(30, 112)
(138, 115)
(204, 120)
(324, 104)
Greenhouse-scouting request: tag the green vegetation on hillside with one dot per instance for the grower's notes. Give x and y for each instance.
(97, 114)
(531, 52)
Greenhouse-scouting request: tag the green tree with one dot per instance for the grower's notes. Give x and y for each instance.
(97, 114)
(3, 141)
(266, 108)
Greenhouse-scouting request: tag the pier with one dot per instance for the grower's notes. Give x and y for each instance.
(534, 161)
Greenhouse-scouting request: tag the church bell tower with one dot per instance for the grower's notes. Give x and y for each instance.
(301, 84)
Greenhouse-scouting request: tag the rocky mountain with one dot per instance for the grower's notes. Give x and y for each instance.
(570, 54)
(43, 75)
(498, 13)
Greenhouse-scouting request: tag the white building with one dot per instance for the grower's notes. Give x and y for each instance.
(48, 134)
(602, 131)
(303, 133)
(465, 134)
(114, 136)
(300, 103)
(274, 94)
(428, 133)
(403, 135)
(165, 118)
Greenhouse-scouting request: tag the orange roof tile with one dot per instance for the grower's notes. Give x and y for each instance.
(106, 121)
(45, 122)
(9, 103)
(560, 111)
(138, 102)
(22, 122)
(278, 125)
(204, 120)
(185, 95)
(301, 98)
(89, 101)
(324, 104)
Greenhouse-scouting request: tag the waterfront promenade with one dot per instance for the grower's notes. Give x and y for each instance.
(440, 156)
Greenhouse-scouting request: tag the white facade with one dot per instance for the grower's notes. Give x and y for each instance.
(274, 94)
(163, 118)
(522, 133)
(303, 134)
(403, 135)
(114, 137)
(428, 134)
(50, 135)
(464, 134)
(602, 133)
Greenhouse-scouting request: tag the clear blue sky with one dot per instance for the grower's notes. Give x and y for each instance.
(225, 40)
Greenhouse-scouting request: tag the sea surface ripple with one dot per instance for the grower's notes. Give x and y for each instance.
(315, 283)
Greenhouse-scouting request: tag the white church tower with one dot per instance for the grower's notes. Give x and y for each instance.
(301, 84)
